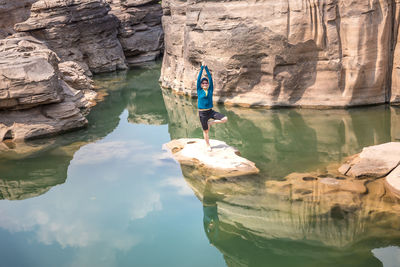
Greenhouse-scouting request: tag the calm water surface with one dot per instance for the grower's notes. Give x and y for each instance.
(108, 195)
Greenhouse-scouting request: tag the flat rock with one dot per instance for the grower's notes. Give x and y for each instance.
(373, 162)
(222, 161)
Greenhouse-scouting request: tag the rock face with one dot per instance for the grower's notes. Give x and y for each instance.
(285, 53)
(140, 31)
(80, 31)
(223, 161)
(12, 12)
(35, 101)
(373, 162)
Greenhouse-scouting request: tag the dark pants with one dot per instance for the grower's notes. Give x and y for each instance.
(205, 115)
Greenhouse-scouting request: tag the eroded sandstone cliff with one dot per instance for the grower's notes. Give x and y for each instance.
(285, 53)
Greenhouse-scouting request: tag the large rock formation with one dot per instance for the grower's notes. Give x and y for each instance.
(285, 53)
(81, 31)
(140, 31)
(35, 101)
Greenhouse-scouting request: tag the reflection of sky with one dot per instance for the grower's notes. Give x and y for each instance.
(123, 201)
(389, 256)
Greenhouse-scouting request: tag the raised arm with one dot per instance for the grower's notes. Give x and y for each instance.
(211, 86)
(199, 78)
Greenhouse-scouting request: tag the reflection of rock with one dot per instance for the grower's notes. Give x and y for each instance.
(140, 31)
(31, 169)
(146, 104)
(288, 140)
(222, 161)
(283, 53)
(374, 161)
(304, 214)
(81, 31)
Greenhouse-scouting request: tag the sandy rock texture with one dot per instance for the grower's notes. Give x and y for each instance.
(376, 162)
(81, 31)
(36, 99)
(12, 12)
(285, 53)
(140, 31)
(222, 161)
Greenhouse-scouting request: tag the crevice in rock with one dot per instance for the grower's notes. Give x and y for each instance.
(9, 135)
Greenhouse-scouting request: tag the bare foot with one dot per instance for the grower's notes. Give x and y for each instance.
(209, 149)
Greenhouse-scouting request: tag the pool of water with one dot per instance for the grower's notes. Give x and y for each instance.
(108, 195)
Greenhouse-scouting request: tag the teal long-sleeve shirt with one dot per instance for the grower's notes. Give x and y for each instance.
(204, 98)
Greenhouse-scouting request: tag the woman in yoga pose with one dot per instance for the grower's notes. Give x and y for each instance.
(205, 89)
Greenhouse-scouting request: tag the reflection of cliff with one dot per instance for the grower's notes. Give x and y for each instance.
(281, 223)
(31, 169)
(146, 104)
(288, 140)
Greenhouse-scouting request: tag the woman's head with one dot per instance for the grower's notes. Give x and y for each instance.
(204, 83)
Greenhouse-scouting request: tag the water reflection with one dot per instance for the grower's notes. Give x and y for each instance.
(31, 169)
(289, 140)
(298, 195)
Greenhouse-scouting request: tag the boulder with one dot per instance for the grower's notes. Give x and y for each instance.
(222, 161)
(373, 162)
(81, 31)
(140, 31)
(284, 53)
(393, 181)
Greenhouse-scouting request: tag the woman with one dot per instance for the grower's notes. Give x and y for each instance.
(205, 89)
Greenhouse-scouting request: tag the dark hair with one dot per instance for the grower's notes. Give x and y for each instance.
(204, 79)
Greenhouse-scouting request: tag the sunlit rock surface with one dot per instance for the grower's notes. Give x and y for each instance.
(222, 161)
(285, 53)
(373, 162)
(393, 181)
(139, 31)
(81, 31)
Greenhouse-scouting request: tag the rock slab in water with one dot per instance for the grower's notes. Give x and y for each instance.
(222, 161)
(373, 162)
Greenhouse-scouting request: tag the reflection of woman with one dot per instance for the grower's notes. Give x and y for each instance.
(205, 88)
(210, 214)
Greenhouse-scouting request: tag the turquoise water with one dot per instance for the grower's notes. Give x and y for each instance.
(108, 195)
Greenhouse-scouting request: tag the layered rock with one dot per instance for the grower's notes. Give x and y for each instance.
(35, 101)
(140, 31)
(284, 53)
(12, 12)
(80, 31)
